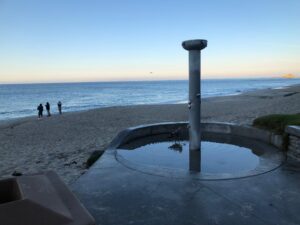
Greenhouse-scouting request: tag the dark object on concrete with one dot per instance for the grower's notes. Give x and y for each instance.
(176, 147)
(16, 173)
(41, 199)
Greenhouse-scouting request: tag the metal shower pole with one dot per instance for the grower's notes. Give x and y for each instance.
(194, 47)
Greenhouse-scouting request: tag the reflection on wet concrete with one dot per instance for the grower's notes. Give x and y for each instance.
(195, 161)
(221, 156)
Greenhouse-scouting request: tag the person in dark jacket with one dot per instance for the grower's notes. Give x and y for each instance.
(40, 109)
(48, 109)
(59, 107)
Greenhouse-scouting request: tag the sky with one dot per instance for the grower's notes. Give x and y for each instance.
(89, 40)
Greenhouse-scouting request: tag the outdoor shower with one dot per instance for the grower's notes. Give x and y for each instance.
(194, 47)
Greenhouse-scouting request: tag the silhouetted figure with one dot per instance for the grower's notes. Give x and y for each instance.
(48, 109)
(59, 107)
(40, 109)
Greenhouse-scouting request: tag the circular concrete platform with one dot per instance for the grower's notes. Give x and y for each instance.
(229, 157)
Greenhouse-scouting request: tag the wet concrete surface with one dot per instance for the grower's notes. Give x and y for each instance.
(221, 156)
(116, 194)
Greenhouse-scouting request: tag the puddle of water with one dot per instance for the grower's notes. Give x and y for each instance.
(214, 157)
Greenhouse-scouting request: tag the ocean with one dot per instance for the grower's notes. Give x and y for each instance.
(20, 100)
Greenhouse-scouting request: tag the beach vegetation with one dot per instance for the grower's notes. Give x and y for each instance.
(277, 122)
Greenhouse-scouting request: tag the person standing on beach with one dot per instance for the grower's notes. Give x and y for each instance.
(40, 109)
(48, 109)
(59, 106)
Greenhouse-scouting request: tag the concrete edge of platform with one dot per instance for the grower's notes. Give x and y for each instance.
(133, 133)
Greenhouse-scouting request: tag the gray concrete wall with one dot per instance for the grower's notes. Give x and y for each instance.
(223, 128)
(294, 142)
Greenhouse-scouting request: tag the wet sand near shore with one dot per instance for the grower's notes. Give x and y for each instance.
(63, 143)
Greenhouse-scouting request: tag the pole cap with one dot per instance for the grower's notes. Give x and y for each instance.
(197, 44)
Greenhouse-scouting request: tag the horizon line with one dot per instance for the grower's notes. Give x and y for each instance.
(163, 80)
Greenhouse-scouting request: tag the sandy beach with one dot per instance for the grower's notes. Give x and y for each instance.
(63, 143)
